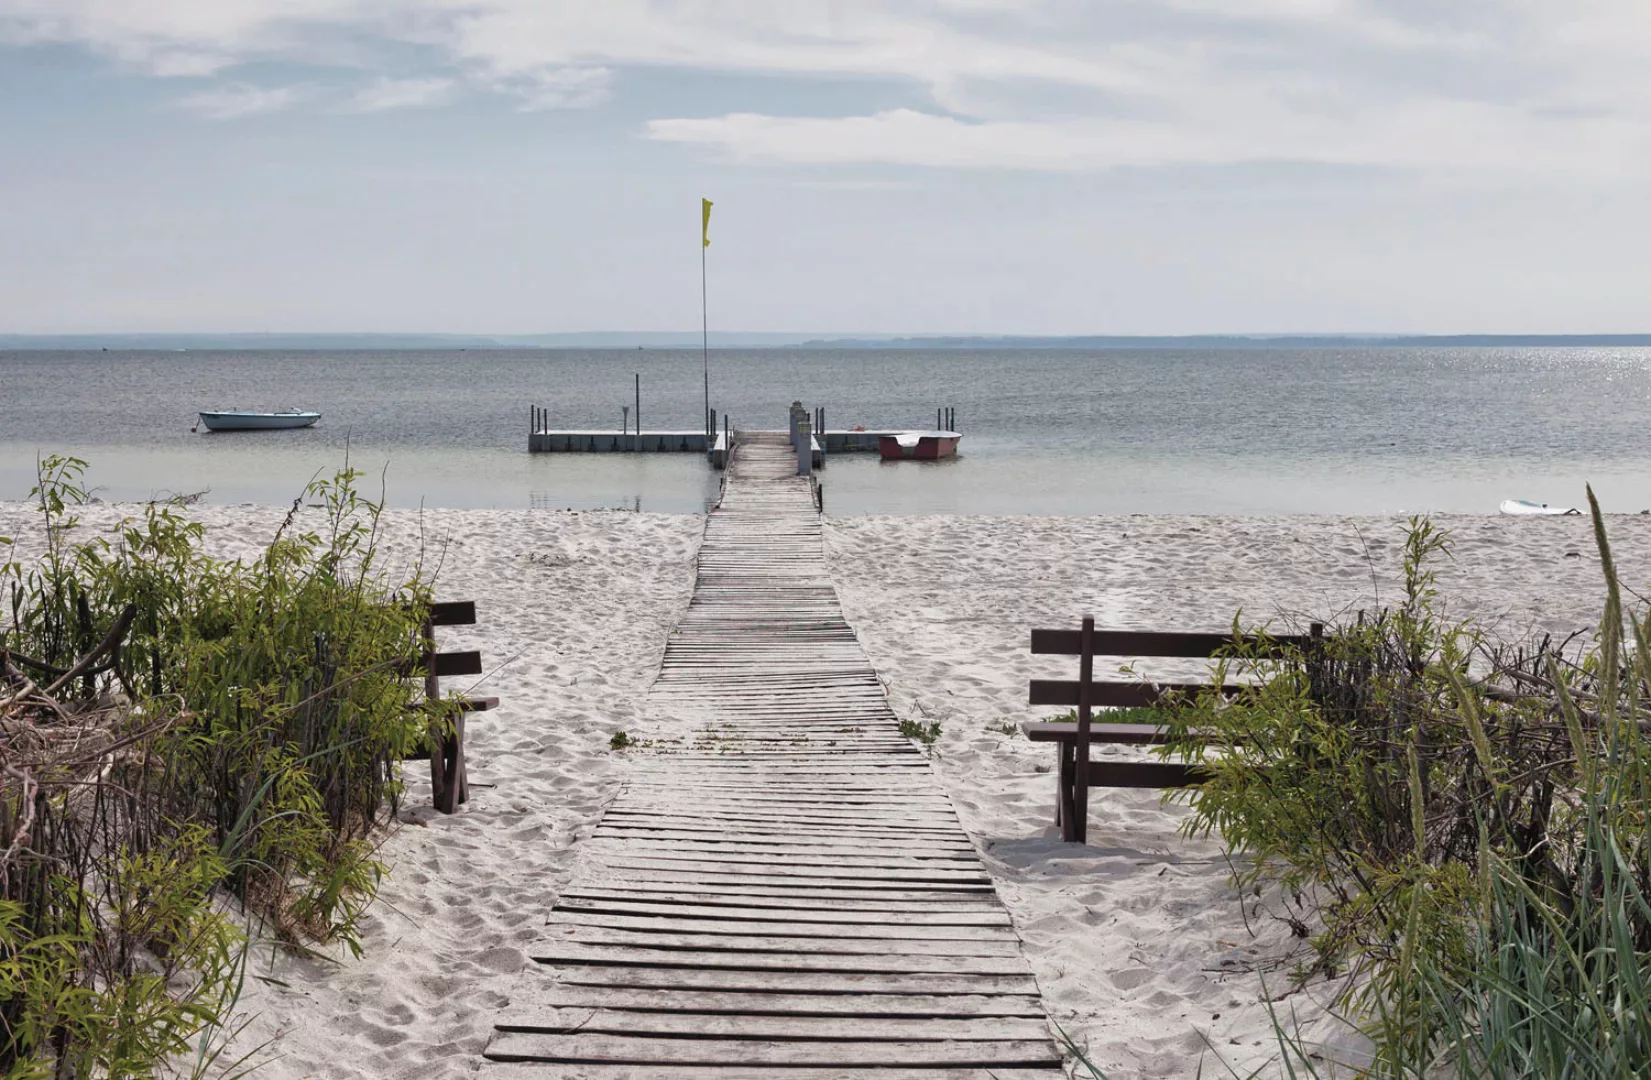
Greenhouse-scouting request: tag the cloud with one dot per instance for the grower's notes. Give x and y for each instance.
(855, 185)
(385, 94)
(556, 88)
(1416, 136)
(237, 101)
(1053, 84)
(182, 63)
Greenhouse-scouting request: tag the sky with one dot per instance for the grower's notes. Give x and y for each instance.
(883, 166)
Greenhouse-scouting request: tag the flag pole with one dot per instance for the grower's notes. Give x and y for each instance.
(704, 335)
(704, 320)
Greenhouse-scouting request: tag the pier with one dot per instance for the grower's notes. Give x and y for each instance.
(781, 889)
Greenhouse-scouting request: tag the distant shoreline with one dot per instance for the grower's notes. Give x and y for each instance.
(763, 340)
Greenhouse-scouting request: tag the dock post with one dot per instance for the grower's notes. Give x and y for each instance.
(804, 443)
(638, 445)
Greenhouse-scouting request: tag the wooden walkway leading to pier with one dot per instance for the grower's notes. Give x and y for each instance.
(781, 890)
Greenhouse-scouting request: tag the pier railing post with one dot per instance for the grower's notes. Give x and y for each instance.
(805, 447)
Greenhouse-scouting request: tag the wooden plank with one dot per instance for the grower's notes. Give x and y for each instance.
(571, 953)
(536, 994)
(641, 1023)
(587, 1070)
(780, 842)
(735, 819)
(713, 826)
(561, 933)
(1121, 694)
(521, 1046)
(905, 901)
(787, 920)
(443, 664)
(452, 613)
(1116, 734)
(744, 869)
(1160, 643)
(621, 856)
(1145, 774)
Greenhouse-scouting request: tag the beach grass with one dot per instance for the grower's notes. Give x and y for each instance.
(1461, 830)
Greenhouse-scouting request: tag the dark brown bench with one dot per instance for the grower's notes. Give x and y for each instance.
(1077, 774)
(449, 784)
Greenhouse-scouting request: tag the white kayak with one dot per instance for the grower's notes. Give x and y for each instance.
(258, 421)
(1526, 508)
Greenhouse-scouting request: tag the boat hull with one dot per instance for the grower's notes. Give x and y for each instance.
(251, 421)
(918, 446)
(1526, 508)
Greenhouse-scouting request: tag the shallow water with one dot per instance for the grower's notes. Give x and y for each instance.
(1362, 430)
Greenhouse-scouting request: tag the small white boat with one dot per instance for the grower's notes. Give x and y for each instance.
(258, 421)
(1525, 508)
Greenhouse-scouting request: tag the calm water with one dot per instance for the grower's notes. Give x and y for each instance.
(1376, 430)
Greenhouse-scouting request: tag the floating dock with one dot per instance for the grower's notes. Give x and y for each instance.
(682, 442)
(620, 442)
(716, 445)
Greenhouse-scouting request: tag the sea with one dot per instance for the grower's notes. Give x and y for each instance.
(1346, 430)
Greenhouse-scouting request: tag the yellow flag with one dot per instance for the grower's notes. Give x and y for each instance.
(705, 222)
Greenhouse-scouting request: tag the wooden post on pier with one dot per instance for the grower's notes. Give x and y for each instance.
(637, 446)
(804, 440)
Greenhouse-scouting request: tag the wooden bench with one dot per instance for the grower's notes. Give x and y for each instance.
(1077, 774)
(449, 784)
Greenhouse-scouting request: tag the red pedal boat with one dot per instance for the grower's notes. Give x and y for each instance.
(921, 445)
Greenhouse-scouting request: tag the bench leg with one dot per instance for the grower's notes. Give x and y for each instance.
(1072, 796)
(1080, 793)
(1065, 811)
(449, 784)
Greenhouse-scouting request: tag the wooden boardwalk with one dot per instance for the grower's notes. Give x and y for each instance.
(781, 890)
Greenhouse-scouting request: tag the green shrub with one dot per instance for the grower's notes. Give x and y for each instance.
(1461, 826)
(241, 734)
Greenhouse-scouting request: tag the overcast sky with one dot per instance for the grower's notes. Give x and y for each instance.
(996, 166)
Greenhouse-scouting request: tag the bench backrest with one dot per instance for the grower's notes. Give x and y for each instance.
(438, 665)
(1086, 643)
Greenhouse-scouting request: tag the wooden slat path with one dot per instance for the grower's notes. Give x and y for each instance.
(781, 890)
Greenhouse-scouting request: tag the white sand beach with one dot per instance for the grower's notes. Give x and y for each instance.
(1140, 949)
